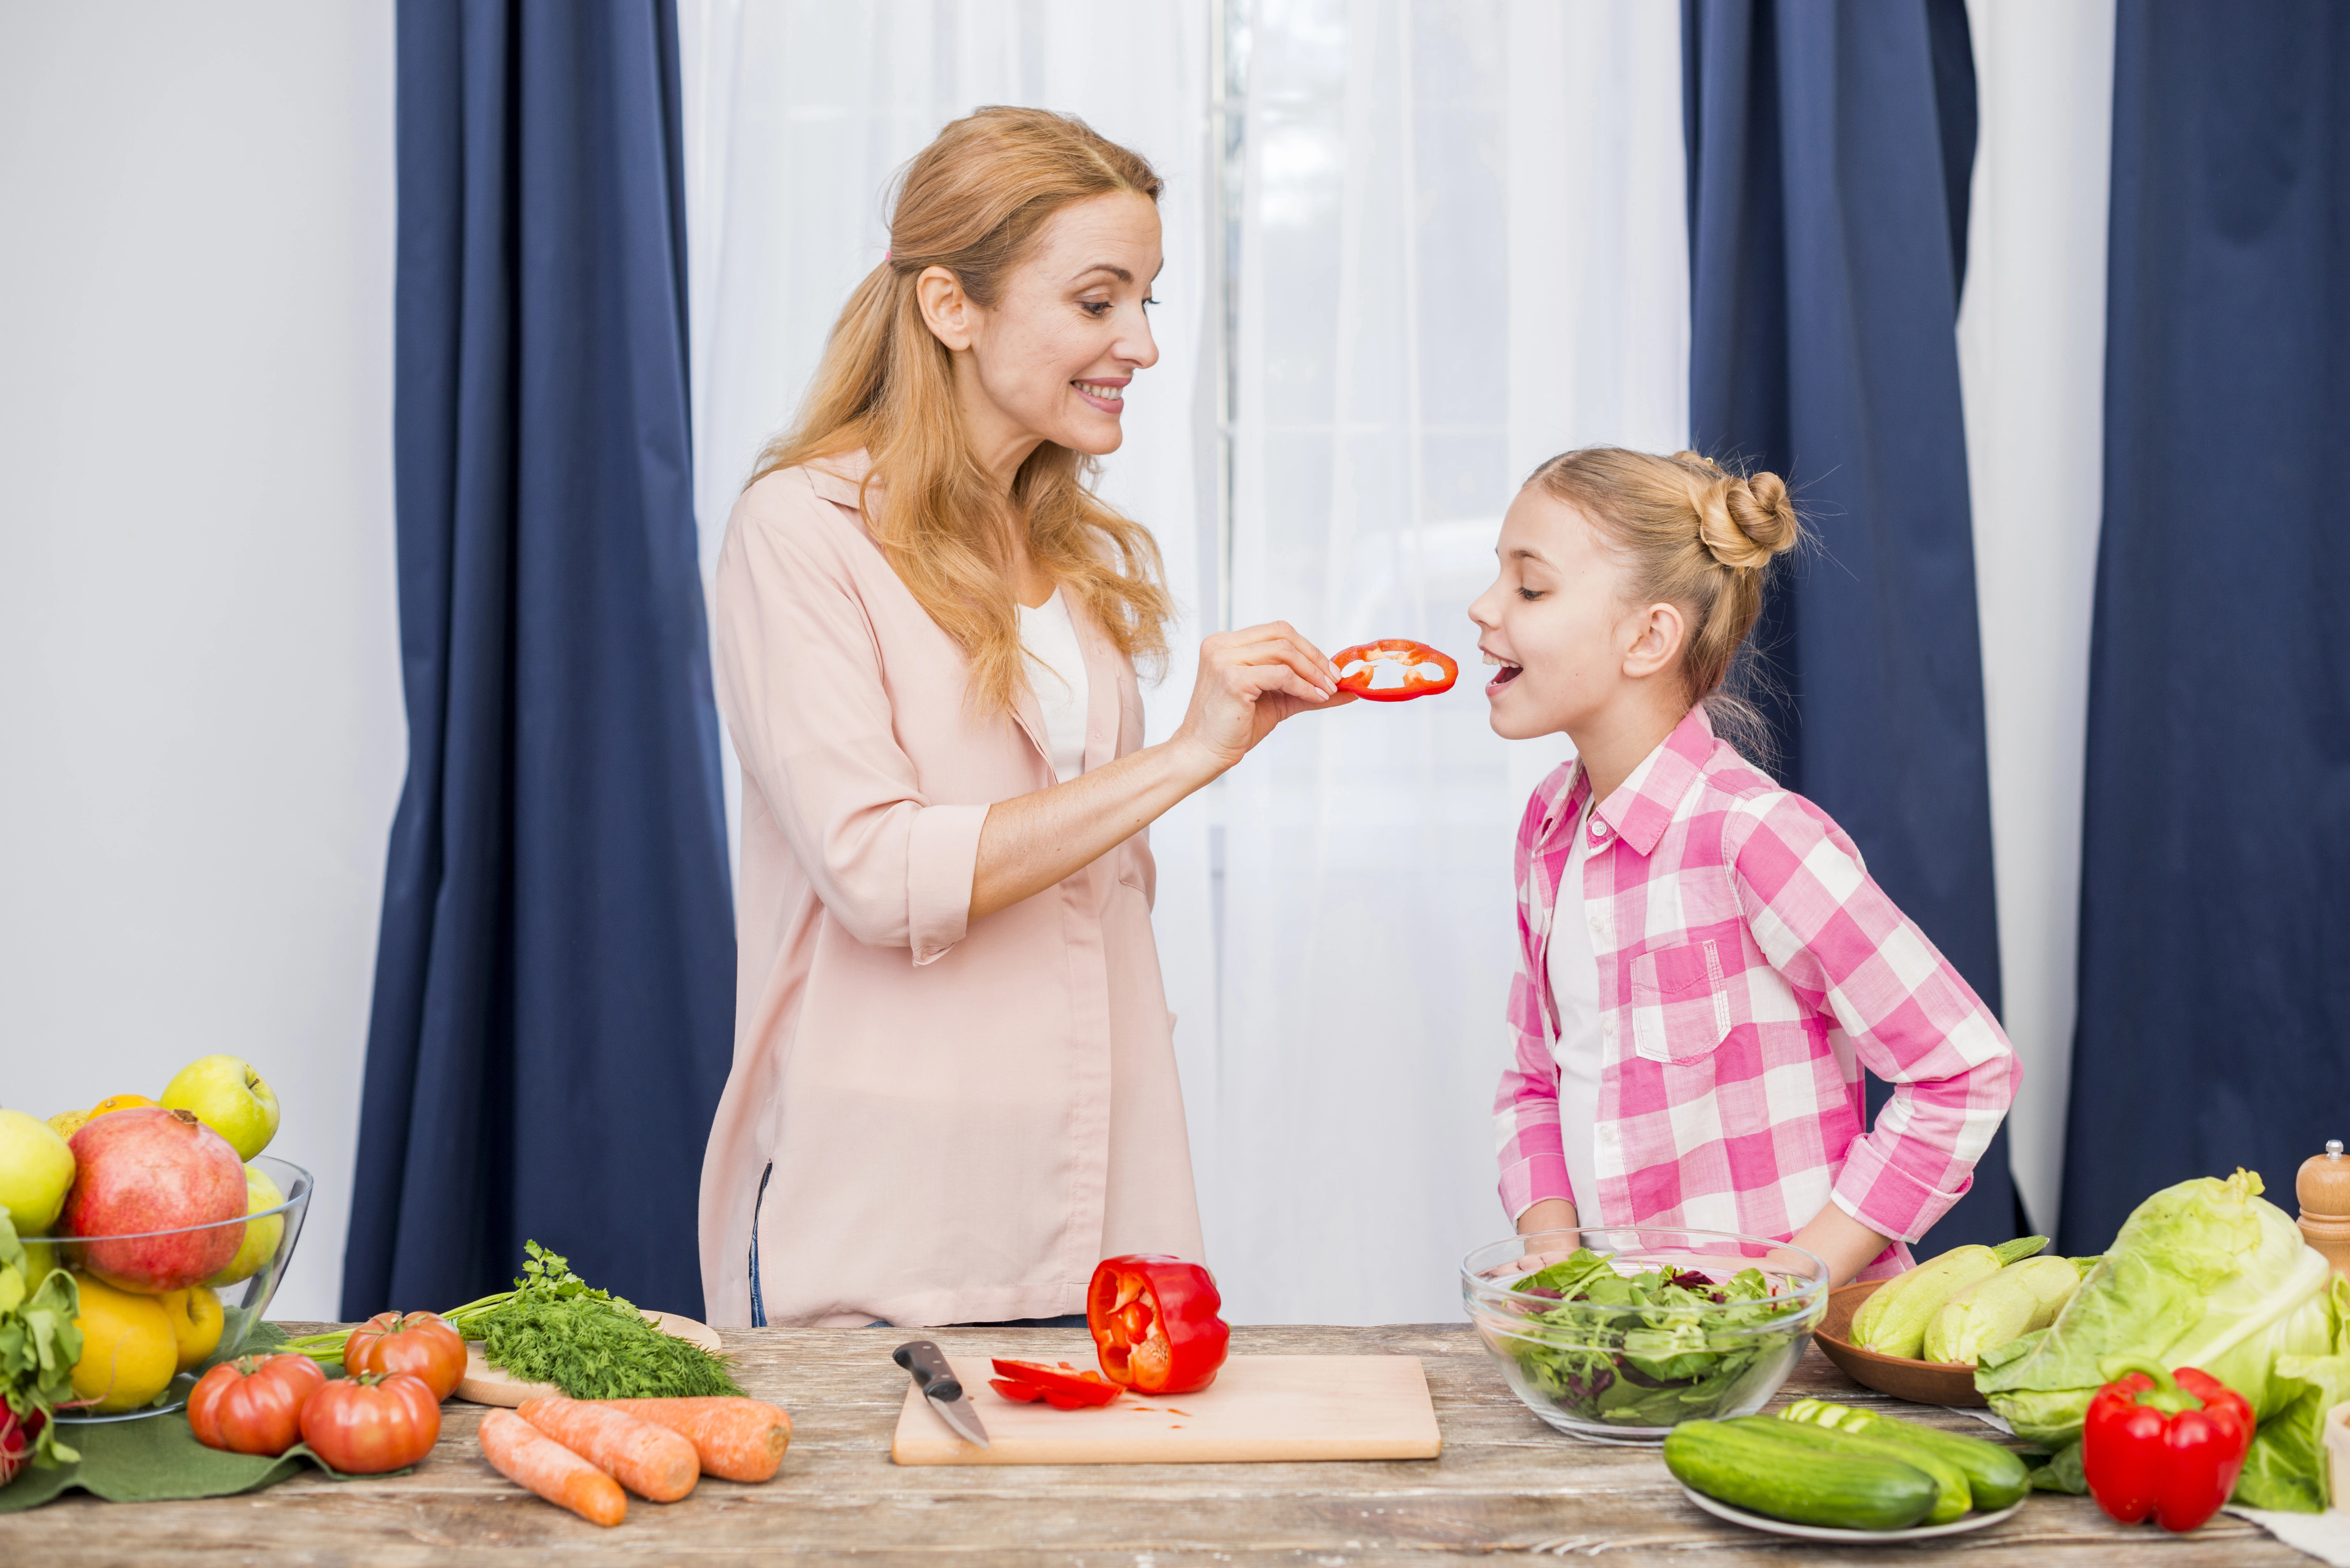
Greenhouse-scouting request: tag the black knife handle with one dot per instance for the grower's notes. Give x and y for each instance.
(929, 1365)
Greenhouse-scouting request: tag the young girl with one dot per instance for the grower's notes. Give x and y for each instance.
(1704, 965)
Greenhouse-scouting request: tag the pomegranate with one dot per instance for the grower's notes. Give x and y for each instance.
(150, 1169)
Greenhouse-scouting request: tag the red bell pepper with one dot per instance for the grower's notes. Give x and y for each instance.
(1154, 1324)
(1064, 1388)
(2163, 1444)
(1359, 665)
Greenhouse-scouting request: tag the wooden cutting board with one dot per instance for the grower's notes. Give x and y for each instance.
(486, 1385)
(1259, 1407)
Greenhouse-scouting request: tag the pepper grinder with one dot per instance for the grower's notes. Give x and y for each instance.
(2323, 1188)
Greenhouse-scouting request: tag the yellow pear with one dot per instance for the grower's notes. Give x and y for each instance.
(261, 1236)
(196, 1314)
(69, 1123)
(128, 1353)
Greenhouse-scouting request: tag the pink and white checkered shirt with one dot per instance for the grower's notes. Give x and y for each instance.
(1747, 968)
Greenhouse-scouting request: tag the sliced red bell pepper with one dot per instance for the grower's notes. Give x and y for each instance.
(1064, 1388)
(2169, 1445)
(1426, 672)
(1154, 1324)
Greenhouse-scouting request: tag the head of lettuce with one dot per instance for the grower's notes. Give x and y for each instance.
(2207, 1273)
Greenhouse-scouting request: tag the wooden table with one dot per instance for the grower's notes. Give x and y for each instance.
(1507, 1485)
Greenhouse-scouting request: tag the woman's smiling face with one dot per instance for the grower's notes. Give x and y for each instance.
(1554, 620)
(1051, 359)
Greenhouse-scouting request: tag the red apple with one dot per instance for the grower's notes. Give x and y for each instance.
(151, 1169)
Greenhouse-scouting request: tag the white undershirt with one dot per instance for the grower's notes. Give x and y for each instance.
(1574, 975)
(1056, 671)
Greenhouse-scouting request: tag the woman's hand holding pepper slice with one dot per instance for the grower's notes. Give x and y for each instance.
(1424, 670)
(1064, 1388)
(2169, 1445)
(1154, 1324)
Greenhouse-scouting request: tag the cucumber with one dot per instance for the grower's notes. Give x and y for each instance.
(1994, 1476)
(1748, 1466)
(1954, 1496)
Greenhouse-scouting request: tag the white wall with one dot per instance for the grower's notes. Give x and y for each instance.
(200, 731)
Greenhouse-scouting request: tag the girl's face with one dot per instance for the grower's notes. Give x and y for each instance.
(1050, 360)
(1556, 622)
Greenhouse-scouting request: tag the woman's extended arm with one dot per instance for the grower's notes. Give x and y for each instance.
(1249, 682)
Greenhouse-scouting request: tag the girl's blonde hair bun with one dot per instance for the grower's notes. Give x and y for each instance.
(1742, 520)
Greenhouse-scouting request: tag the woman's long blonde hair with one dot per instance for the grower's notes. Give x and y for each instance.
(1694, 535)
(973, 201)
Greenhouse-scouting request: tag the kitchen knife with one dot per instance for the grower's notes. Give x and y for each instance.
(939, 1385)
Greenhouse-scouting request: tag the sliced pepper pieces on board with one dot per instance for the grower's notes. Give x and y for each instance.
(1064, 1388)
(2162, 1443)
(1154, 1324)
(1425, 671)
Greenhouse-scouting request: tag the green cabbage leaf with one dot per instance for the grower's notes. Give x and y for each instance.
(2208, 1275)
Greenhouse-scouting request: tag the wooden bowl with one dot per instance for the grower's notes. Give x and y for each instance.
(1904, 1377)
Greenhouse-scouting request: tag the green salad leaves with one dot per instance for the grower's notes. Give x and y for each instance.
(38, 1347)
(1649, 1349)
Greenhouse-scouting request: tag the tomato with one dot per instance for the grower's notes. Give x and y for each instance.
(415, 1342)
(373, 1422)
(254, 1405)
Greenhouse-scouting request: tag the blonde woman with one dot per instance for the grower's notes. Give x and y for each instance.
(954, 1088)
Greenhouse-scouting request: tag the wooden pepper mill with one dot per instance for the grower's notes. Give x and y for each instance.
(2323, 1188)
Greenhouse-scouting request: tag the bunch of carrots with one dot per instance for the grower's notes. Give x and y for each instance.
(579, 1453)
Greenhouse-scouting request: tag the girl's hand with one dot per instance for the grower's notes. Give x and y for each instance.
(1842, 1242)
(1249, 682)
(1553, 1233)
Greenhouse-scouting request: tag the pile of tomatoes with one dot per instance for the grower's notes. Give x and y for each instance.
(384, 1414)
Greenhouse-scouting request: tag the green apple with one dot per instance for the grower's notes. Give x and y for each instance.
(228, 1096)
(36, 1169)
(261, 1236)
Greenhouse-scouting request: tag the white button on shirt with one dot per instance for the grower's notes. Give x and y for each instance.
(1057, 670)
(1573, 969)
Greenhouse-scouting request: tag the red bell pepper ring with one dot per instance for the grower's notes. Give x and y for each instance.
(1358, 670)
(1064, 1388)
(2163, 1444)
(1154, 1324)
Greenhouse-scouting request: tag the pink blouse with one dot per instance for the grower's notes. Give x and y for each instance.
(932, 1120)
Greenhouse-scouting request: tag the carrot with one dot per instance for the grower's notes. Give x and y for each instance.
(528, 1457)
(741, 1439)
(651, 1461)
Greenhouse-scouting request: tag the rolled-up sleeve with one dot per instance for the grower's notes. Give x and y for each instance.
(800, 682)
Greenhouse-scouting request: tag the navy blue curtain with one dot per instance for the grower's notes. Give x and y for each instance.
(1829, 151)
(554, 996)
(2215, 909)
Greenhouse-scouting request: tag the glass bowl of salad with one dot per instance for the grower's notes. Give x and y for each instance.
(1618, 1334)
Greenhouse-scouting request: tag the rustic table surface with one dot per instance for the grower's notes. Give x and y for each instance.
(1507, 1485)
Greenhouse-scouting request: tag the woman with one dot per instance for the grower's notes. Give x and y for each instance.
(955, 1087)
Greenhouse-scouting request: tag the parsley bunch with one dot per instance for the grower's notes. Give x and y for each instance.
(38, 1347)
(555, 1327)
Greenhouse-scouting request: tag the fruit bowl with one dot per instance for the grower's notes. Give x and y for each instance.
(1630, 1373)
(1902, 1376)
(241, 1301)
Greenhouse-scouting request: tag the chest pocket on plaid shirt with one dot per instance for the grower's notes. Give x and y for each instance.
(1681, 1006)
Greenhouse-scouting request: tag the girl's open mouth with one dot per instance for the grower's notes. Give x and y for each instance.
(1502, 677)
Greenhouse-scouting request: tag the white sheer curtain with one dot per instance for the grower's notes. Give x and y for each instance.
(1462, 248)
(797, 114)
(1459, 248)
(2031, 346)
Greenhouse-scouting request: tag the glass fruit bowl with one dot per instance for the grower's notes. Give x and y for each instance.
(1647, 1325)
(240, 1290)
